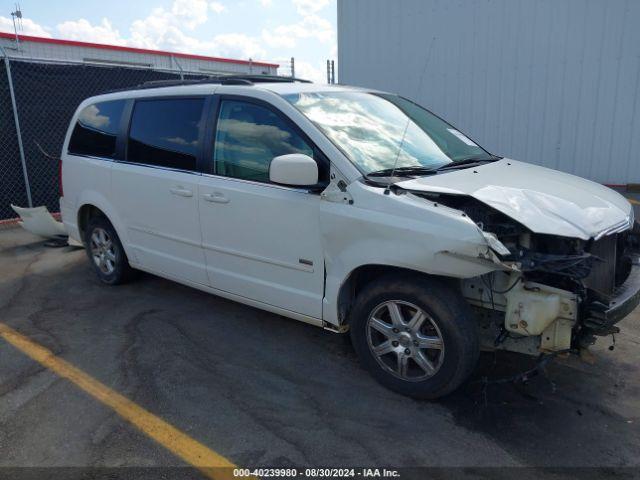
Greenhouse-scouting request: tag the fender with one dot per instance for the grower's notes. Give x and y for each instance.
(91, 197)
(394, 230)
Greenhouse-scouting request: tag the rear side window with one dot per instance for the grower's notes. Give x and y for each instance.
(165, 132)
(96, 130)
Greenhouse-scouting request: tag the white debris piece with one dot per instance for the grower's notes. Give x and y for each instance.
(39, 221)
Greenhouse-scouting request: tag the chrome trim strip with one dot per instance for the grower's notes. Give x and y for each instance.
(136, 164)
(293, 266)
(200, 174)
(626, 224)
(253, 182)
(158, 167)
(150, 231)
(91, 157)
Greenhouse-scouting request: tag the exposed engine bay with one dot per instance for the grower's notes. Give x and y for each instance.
(549, 293)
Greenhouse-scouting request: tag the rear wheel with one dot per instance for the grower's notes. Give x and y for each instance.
(416, 336)
(105, 252)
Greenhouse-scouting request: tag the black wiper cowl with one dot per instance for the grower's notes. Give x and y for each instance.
(402, 171)
(467, 162)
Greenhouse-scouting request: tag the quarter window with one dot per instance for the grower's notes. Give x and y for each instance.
(248, 137)
(165, 132)
(96, 130)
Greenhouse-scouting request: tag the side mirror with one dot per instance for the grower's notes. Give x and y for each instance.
(295, 169)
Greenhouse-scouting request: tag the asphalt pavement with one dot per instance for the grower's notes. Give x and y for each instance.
(265, 391)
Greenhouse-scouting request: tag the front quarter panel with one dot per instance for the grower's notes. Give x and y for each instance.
(397, 230)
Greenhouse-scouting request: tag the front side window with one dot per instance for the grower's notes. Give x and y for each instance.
(374, 131)
(165, 132)
(96, 130)
(248, 137)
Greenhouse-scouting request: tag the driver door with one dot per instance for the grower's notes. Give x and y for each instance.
(261, 240)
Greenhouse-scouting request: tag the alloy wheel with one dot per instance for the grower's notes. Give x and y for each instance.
(103, 251)
(405, 340)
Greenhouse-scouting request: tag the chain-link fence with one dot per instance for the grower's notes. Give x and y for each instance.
(46, 96)
(12, 187)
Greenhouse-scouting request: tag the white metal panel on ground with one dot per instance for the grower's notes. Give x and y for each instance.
(551, 82)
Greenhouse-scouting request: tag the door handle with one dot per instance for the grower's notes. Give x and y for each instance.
(215, 197)
(182, 192)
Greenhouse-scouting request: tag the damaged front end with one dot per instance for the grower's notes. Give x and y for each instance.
(549, 293)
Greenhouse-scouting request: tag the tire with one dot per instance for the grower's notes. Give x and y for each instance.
(428, 355)
(105, 252)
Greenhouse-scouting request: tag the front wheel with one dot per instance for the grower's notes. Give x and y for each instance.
(416, 336)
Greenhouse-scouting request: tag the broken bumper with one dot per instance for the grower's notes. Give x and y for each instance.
(602, 318)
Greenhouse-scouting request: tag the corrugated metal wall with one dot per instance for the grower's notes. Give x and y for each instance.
(552, 82)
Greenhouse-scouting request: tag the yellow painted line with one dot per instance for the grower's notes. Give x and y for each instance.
(634, 201)
(204, 459)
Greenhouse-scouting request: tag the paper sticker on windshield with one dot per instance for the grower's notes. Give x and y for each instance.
(462, 137)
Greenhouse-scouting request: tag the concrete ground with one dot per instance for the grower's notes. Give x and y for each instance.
(262, 390)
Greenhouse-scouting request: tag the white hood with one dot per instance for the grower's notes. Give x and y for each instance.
(544, 200)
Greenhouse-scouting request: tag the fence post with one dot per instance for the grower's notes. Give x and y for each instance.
(17, 122)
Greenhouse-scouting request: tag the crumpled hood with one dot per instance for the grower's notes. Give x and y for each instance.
(544, 200)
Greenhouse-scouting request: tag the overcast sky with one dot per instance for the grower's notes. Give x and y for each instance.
(271, 30)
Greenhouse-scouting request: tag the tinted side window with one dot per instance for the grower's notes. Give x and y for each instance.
(96, 131)
(248, 137)
(165, 132)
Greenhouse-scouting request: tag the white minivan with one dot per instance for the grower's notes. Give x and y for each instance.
(349, 209)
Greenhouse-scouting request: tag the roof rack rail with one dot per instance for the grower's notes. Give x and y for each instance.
(254, 78)
(230, 79)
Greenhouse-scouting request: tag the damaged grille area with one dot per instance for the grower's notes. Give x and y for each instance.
(602, 279)
(612, 266)
(594, 269)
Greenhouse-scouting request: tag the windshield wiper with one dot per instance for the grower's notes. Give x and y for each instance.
(467, 162)
(421, 170)
(402, 171)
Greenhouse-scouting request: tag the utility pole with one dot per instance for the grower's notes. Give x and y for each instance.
(17, 15)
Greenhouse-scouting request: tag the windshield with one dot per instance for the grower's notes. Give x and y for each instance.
(369, 129)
